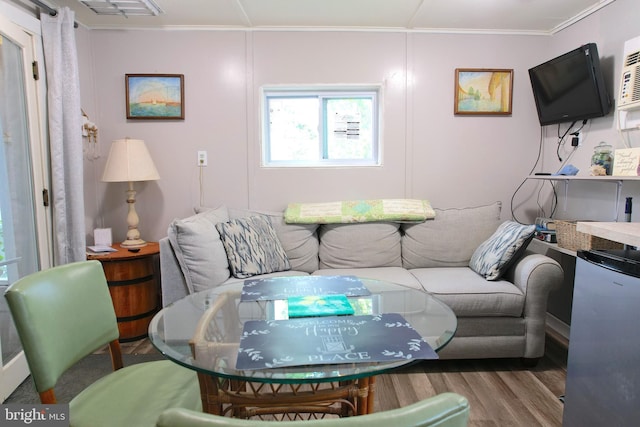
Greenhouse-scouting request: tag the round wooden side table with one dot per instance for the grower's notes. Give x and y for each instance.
(133, 285)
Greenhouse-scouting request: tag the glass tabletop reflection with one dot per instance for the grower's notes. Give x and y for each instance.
(202, 331)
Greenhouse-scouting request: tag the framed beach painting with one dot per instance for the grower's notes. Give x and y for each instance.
(155, 96)
(483, 91)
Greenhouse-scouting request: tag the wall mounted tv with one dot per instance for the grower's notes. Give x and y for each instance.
(570, 87)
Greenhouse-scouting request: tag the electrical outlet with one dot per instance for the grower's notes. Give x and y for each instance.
(576, 140)
(202, 158)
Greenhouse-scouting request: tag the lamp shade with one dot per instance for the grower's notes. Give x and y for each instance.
(129, 160)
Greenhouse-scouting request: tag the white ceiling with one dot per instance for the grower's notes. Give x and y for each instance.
(492, 16)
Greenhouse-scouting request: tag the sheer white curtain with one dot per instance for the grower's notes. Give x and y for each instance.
(65, 138)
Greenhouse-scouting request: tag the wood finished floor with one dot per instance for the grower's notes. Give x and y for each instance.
(501, 392)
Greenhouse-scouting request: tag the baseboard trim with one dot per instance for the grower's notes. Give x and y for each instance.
(557, 329)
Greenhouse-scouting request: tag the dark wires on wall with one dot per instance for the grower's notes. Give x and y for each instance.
(554, 202)
(574, 133)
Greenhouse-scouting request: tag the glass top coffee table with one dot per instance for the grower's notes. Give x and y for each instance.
(202, 332)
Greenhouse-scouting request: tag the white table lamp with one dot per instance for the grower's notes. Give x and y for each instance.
(129, 161)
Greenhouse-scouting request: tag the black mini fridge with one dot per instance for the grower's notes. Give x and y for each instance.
(603, 367)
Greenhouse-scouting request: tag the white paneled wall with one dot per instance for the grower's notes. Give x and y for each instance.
(428, 151)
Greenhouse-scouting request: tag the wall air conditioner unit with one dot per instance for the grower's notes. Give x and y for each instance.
(629, 97)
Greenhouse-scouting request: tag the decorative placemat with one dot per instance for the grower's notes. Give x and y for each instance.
(274, 288)
(330, 340)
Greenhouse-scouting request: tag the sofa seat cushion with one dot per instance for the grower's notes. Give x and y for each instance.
(450, 239)
(469, 294)
(370, 244)
(389, 274)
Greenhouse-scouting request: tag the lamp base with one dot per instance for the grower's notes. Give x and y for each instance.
(133, 243)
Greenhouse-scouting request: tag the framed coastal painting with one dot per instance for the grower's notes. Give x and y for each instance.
(155, 96)
(483, 91)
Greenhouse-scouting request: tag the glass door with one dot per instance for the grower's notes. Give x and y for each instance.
(20, 214)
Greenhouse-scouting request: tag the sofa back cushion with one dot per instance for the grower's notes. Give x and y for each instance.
(199, 250)
(362, 245)
(450, 239)
(299, 241)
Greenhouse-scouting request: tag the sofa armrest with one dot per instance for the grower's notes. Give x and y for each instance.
(536, 271)
(172, 282)
(536, 275)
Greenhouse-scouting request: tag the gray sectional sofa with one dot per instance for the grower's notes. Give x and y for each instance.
(496, 318)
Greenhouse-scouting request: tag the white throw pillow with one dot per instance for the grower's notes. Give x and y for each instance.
(495, 255)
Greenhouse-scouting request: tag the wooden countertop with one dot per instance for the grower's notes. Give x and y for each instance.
(623, 232)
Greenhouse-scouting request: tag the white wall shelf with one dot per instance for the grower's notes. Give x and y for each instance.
(568, 178)
(618, 180)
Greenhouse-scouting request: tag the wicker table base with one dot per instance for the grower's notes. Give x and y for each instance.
(247, 399)
(254, 399)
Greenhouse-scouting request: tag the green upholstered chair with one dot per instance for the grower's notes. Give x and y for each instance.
(443, 410)
(65, 313)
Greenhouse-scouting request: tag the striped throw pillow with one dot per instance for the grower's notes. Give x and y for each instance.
(252, 246)
(496, 254)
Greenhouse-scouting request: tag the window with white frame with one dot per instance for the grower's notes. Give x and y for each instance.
(320, 127)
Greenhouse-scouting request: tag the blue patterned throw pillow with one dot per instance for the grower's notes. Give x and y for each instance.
(495, 255)
(252, 247)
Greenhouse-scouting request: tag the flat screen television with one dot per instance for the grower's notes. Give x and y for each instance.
(570, 87)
